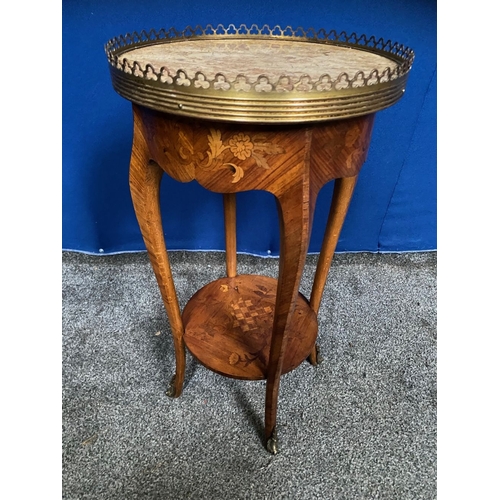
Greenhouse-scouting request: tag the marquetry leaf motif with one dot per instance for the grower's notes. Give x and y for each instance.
(186, 148)
(351, 136)
(260, 160)
(354, 158)
(268, 147)
(249, 359)
(215, 144)
(203, 333)
(234, 358)
(237, 172)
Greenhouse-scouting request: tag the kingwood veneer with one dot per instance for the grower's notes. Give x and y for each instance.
(242, 109)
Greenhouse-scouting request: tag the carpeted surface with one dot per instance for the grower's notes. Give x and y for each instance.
(362, 425)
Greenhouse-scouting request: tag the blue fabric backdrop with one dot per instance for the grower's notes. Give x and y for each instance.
(393, 208)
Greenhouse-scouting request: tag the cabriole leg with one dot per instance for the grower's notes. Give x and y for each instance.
(294, 208)
(342, 194)
(145, 178)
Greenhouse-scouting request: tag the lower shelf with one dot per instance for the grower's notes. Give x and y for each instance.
(228, 326)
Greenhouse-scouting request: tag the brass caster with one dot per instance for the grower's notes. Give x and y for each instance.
(316, 360)
(171, 388)
(272, 443)
(319, 357)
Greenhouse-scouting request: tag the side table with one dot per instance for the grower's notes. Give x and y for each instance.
(238, 109)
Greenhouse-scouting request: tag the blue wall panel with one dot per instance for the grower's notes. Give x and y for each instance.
(394, 206)
(410, 220)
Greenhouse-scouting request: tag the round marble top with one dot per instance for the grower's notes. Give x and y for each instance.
(258, 78)
(253, 58)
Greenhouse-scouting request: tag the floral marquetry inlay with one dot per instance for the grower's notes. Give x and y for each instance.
(224, 154)
(242, 147)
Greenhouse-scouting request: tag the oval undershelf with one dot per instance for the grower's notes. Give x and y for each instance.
(228, 327)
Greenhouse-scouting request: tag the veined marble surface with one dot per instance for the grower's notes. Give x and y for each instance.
(253, 58)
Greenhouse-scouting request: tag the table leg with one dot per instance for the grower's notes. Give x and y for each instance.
(145, 178)
(342, 194)
(295, 213)
(230, 227)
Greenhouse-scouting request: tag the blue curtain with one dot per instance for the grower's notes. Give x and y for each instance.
(393, 208)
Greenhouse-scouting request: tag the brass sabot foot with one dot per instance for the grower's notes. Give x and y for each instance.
(319, 357)
(272, 443)
(171, 388)
(316, 359)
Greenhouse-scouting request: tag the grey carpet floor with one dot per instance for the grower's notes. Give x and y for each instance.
(362, 425)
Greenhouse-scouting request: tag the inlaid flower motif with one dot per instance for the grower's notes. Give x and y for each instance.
(241, 146)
